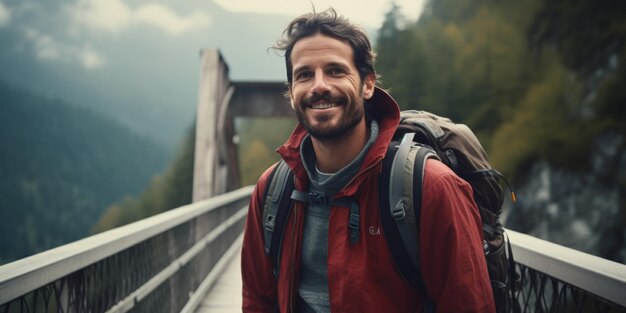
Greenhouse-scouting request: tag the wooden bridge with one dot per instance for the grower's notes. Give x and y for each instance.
(188, 259)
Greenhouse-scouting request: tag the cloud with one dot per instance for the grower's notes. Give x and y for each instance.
(89, 58)
(46, 48)
(49, 49)
(113, 16)
(107, 15)
(5, 15)
(164, 18)
(368, 15)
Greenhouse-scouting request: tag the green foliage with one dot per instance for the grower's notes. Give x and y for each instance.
(531, 82)
(259, 137)
(60, 167)
(586, 33)
(255, 157)
(543, 126)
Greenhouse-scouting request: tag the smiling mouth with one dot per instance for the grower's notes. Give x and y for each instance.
(324, 101)
(321, 106)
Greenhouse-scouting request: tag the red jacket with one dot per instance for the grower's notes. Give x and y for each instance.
(362, 277)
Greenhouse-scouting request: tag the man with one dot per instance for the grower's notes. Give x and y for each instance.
(345, 127)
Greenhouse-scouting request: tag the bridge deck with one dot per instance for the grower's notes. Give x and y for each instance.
(225, 295)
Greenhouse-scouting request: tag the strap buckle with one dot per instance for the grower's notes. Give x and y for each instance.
(399, 213)
(317, 198)
(354, 221)
(270, 222)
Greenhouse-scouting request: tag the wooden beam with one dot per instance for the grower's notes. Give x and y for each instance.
(214, 85)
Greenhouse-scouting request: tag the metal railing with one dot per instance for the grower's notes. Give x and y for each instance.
(164, 263)
(559, 279)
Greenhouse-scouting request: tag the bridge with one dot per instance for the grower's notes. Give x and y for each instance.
(187, 259)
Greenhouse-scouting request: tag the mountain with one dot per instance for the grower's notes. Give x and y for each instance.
(135, 61)
(60, 167)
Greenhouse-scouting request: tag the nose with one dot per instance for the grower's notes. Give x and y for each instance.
(320, 84)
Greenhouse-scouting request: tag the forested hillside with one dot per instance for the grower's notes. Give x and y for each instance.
(542, 84)
(171, 189)
(258, 138)
(535, 79)
(60, 167)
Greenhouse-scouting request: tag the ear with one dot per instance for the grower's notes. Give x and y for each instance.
(368, 86)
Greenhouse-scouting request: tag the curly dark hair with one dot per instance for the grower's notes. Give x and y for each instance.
(330, 24)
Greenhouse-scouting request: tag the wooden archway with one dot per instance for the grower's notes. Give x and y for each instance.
(220, 101)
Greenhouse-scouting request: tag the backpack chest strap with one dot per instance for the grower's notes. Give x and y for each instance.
(346, 202)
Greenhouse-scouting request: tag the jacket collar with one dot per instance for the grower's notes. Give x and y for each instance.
(381, 107)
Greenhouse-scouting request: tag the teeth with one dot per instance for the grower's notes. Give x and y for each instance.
(323, 105)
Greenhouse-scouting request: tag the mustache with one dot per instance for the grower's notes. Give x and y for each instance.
(326, 97)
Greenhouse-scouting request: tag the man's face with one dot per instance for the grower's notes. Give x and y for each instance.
(326, 90)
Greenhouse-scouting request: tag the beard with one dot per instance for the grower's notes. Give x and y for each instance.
(350, 118)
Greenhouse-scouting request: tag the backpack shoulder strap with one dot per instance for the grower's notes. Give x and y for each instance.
(399, 204)
(400, 195)
(276, 208)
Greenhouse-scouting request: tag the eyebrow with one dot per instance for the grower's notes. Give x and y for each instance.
(339, 64)
(299, 69)
(331, 64)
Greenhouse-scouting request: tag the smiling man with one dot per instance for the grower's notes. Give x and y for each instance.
(328, 94)
(332, 255)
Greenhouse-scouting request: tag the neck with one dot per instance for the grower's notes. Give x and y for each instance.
(334, 154)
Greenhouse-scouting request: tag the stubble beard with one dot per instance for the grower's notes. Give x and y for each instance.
(351, 117)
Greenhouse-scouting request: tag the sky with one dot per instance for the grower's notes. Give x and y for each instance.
(365, 13)
(113, 18)
(138, 60)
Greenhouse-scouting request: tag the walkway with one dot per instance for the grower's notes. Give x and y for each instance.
(225, 295)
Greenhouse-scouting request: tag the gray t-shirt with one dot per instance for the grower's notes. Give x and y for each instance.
(313, 290)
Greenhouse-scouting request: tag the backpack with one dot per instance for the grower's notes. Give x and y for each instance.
(420, 136)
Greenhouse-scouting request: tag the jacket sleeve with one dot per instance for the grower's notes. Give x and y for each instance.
(454, 266)
(259, 284)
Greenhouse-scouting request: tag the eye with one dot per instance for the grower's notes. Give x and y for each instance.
(303, 75)
(335, 71)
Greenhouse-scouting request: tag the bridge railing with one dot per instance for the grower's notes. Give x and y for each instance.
(163, 263)
(559, 279)
(167, 262)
